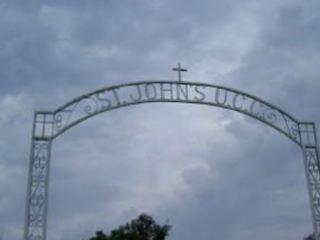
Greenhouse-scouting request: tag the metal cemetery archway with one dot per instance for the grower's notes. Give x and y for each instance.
(48, 125)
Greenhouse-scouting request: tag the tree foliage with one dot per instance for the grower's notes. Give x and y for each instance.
(141, 228)
(310, 237)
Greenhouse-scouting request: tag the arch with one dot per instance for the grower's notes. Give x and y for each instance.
(123, 95)
(48, 125)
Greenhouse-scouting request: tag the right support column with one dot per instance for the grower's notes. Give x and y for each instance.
(310, 151)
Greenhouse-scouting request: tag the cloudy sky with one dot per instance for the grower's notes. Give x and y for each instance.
(209, 172)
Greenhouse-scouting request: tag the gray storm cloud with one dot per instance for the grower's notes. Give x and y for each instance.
(212, 173)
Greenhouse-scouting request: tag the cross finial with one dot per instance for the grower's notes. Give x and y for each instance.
(179, 70)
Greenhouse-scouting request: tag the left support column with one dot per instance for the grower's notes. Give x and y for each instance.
(38, 177)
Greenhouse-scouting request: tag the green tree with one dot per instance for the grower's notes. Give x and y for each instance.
(141, 228)
(310, 237)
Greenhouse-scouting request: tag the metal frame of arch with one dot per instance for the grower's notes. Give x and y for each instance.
(47, 125)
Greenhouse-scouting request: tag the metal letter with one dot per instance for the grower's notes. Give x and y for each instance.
(235, 100)
(217, 97)
(115, 94)
(101, 96)
(164, 90)
(202, 95)
(153, 94)
(184, 92)
(139, 97)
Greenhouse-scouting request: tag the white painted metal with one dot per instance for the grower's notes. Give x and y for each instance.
(49, 125)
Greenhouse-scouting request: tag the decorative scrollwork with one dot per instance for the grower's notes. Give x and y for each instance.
(58, 121)
(37, 190)
(270, 115)
(294, 130)
(311, 159)
(90, 105)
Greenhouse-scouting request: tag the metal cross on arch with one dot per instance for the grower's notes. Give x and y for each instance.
(179, 70)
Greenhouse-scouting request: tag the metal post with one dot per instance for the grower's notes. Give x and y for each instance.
(38, 179)
(310, 152)
(46, 201)
(310, 193)
(27, 207)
